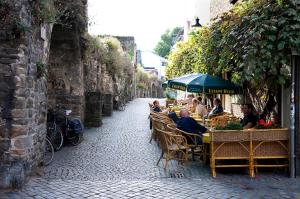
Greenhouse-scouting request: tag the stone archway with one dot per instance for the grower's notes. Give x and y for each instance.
(65, 70)
(153, 91)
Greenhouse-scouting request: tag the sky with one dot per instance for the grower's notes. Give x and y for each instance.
(146, 20)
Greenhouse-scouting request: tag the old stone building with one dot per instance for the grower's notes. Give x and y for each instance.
(43, 64)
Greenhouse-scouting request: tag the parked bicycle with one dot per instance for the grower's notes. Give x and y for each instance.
(54, 132)
(48, 152)
(120, 102)
(71, 129)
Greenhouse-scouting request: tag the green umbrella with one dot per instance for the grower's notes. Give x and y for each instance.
(204, 83)
(165, 84)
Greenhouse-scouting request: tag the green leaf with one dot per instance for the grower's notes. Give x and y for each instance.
(281, 45)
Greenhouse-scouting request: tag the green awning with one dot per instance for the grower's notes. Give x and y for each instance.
(204, 83)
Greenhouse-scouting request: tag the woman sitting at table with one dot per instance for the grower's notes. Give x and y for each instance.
(217, 108)
(194, 105)
(200, 108)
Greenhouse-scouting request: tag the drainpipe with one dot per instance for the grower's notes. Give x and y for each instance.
(295, 134)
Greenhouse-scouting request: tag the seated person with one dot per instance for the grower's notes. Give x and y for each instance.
(250, 119)
(200, 109)
(189, 99)
(189, 125)
(217, 108)
(156, 106)
(194, 105)
(173, 116)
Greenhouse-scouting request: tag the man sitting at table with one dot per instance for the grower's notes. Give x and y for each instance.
(156, 106)
(217, 108)
(190, 125)
(249, 119)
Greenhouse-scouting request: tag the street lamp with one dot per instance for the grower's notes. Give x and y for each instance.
(197, 24)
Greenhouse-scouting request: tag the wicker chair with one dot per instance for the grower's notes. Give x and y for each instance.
(155, 122)
(174, 147)
(196, 148)
(229, 145)
(270, 146)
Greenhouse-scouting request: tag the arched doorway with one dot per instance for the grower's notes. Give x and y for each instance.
(65, 70)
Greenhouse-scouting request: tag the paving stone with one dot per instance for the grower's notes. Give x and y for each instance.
(117, 161)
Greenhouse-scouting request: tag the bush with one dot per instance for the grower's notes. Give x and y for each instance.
(230, 126)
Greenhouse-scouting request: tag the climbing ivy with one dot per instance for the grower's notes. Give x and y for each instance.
(252, 42)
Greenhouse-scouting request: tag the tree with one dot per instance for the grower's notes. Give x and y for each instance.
(252, 43)
(166, 42)
(186, 56)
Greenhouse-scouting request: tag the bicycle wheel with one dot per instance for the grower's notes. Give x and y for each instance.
(48, 152)
(76, 139)
(55, 136)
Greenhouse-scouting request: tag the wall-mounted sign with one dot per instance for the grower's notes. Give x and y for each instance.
(43, 32)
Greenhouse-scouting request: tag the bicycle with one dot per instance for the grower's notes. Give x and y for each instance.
(48, 152)
(71, 128)
(120, 104)
(54, 133)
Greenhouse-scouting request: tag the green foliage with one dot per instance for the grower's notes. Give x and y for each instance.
(41, 69)
(13, 26)
(110, 53)
(230, 126)
(186, 57)
(144, 79)
(166, 42)
(252, 43)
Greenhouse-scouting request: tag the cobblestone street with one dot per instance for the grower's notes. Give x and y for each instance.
(117, 161)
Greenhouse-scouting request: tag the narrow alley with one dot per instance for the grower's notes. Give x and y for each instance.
(117, 161)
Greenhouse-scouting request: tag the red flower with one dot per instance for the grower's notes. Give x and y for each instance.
(262, 122)
(270, 123)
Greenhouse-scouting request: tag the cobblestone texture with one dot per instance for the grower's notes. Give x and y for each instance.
(117, 161)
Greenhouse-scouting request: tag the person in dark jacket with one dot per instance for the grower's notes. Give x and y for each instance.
(250, 119)
(156, 106)
(190, 125)
(217, 108)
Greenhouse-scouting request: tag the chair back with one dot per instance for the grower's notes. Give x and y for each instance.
(162, 140)
(172, 128)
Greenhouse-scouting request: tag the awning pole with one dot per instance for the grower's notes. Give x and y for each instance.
(294, 117)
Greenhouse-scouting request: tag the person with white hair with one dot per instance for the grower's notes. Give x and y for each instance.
(189, 124)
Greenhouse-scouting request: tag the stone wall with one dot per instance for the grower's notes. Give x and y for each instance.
(24, 55)
(92, 87)
(218, 7)
(22, 98)
(129, 46)
(42, 65)
(65, 71)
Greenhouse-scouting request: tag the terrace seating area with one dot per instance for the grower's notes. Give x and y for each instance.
(250, 149)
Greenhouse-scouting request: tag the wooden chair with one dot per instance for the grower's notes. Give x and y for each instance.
(174, 147)
(270, 147)
(229, 145)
